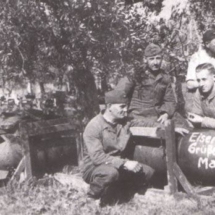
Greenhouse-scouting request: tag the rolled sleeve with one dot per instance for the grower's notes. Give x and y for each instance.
(208, 123)
(196, 105)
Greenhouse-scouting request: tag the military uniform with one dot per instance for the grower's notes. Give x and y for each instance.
(205, 108)
(105, 152)
(150, 96)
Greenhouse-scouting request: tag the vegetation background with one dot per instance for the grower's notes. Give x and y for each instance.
(87, 45)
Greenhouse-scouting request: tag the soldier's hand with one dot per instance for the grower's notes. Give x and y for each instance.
(192, 85)
(181, 131)
(163, 118)
(194, 118)
(132, 166)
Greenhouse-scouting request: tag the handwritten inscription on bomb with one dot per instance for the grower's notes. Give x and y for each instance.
(204, 146)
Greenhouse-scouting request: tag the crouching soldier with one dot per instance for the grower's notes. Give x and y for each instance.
(106, 140)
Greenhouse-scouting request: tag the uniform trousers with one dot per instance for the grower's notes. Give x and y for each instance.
(103, 177)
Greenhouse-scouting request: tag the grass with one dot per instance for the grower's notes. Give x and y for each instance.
(52, 198)
(33, 197)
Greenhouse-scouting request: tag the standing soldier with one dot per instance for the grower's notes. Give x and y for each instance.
(206, 54)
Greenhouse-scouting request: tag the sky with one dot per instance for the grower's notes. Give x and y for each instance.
(167, 8)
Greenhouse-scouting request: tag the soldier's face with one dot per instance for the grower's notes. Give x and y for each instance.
(211, 46)
(154, 62)
(118, 111)
(205, 80)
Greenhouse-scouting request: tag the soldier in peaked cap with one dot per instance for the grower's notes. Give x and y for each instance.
(151, 94)
(106, 141)
(152, 50)
(152, 100)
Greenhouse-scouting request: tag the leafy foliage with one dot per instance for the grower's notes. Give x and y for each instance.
(204, 13)
(68, 42)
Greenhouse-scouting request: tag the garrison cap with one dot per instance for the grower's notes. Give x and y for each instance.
(208, 36)
(116, 97)
(152, 50)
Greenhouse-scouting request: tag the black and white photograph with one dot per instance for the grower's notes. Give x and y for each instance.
(107, 107)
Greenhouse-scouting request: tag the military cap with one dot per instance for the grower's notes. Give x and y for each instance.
(152, 50)
(208, 36)
(116, 97)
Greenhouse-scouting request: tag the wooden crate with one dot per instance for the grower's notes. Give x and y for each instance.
(47, 143)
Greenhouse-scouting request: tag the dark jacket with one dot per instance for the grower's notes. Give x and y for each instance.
(150, 96)
(205, 108)
(104, 144)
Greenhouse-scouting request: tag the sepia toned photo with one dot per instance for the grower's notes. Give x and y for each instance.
(107, 107)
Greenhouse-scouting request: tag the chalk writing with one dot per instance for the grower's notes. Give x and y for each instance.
(195, 148)
(203, 145)
(206, 163)
(201, 138)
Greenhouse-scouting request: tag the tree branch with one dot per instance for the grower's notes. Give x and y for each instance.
(23, 59)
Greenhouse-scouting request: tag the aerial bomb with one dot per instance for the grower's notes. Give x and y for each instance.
(195, 155)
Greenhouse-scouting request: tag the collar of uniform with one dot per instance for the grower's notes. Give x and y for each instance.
(210, 97)
(105, 124)
(150, 75)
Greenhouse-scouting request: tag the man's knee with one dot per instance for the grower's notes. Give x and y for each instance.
(148, 171)
(108, 173)
(111, 173)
